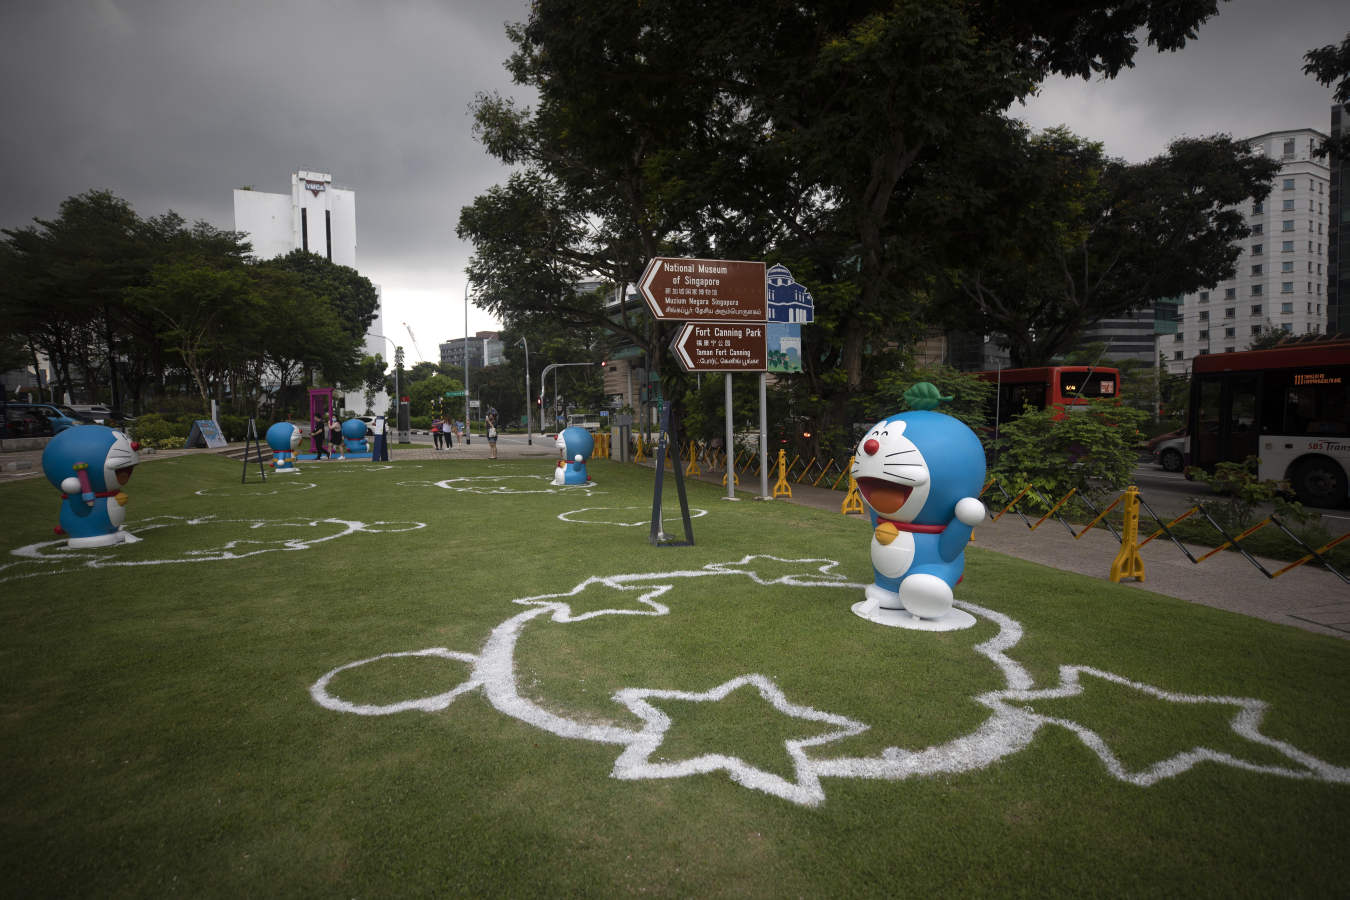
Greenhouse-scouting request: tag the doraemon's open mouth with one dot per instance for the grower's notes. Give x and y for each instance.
(886, 497)
(123, 474)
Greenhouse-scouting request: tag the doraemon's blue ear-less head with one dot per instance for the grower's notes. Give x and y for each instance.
(575, 441)
(108, 454)
(914, 466)
(283, 436)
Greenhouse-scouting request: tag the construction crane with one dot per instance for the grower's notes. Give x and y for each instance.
(413, 338)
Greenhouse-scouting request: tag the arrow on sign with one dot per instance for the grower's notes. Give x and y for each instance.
(722, 347)
(715, 290)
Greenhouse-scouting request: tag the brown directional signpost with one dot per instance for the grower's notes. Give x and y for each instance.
(708, 290)
(722, 347)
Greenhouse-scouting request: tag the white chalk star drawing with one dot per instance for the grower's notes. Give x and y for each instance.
(636, 760)
(1009, 728)
(1245, 723)
(607, 515)
(269, 535)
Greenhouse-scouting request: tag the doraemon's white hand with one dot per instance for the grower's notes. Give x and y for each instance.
(969, 511)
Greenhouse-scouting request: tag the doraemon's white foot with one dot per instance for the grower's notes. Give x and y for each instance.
(880, 597)
(926, 596)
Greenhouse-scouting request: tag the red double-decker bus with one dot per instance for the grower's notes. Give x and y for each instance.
(1061, 387)
(1288, 406)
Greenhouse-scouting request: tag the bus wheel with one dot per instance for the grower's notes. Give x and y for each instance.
(1171, 460)
(1319, 481)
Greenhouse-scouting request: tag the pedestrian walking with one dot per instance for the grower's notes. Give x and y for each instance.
(447, 434)
(335, 436)
(436, 432)
(316, 432)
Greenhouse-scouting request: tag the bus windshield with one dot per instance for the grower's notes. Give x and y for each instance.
(1100, 383)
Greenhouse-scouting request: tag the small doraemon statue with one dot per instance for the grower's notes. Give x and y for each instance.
(919, 474)
(89, 464)
(576, 445)
(354, 436)
(284, 439)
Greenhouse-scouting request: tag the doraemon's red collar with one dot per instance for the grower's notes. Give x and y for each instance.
(912, 526)
(65, 496)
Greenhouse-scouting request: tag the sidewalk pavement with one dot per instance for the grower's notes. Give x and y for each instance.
(1308, 598)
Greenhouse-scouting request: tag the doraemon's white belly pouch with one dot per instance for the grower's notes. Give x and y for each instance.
(892, 559)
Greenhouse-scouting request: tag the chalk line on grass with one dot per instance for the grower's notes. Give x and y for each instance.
(261, 489)
(504, 484)
(1009, 729)
(54, 557)
(579, 517)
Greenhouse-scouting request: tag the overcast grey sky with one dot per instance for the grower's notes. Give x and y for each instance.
(171, 104)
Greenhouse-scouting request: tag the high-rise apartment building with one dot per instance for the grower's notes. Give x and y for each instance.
(318, 218)
(1281, 277)
(1338, 231)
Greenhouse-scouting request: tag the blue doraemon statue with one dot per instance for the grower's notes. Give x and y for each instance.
(89, 464)
(576, 445)
(284, 439)
(354, 436)
(919, 474)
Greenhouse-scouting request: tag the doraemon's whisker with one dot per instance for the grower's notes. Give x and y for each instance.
(898, 452)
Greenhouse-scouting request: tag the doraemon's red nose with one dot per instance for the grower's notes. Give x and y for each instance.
(870, 446)
(135, 445)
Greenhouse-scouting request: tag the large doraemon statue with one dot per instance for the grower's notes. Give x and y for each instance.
(920, 474)
(284, 439)
(89, 464)
(576, 445)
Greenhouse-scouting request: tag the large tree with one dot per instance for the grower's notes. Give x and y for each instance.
(1330, 66)
(1063, 236)
(733, 128)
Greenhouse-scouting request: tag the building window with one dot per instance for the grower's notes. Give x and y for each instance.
(1256, 269)
(1286, 287)
(1256, 309)
(1286, 308)
(1258, 228)
(1203, 335)
(1176, 354)
(1289, 149)
(1289, 204)
(1229, 349)
(1230, 313)
(1258, 249)
(1256, 329)
(1230, 332)
(1287, 247)
(304, 229)
(1177, 338)
(1229, 293)
(1287, 266)
(1287, 225)
(1204, 315)
(1257, 290)
(1287, 327)
(1289, 184)
(1258, 207)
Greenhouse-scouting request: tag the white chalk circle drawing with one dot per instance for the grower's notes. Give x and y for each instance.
(606, 515)
(206, 544)
(258, 489)
(1009, 729)
(504, 484)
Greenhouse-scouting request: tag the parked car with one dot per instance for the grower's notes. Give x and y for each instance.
(1171, 454)
(1156, 441)
(96, 413)
(370, 424)
(38, 419)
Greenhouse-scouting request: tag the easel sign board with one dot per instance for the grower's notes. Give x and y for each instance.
(205, 433)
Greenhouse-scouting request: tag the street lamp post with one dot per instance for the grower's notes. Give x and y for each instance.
(468, 423)
(542, 382)
(529, 437)
(398, 361)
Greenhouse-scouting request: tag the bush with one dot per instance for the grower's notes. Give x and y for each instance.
(971, 395)
(1092, 450)
(1240, 491)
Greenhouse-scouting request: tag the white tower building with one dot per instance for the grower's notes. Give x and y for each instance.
(318, 218)
(1281, 276)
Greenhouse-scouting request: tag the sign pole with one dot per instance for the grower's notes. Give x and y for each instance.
(764, 437)
(731, 447)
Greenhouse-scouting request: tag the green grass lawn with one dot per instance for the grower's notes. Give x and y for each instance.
(450, 677)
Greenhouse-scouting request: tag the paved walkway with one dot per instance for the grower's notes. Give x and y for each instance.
(1308, 598)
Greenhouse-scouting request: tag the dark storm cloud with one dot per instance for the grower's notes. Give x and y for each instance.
(1242, 76)
(175, 104)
